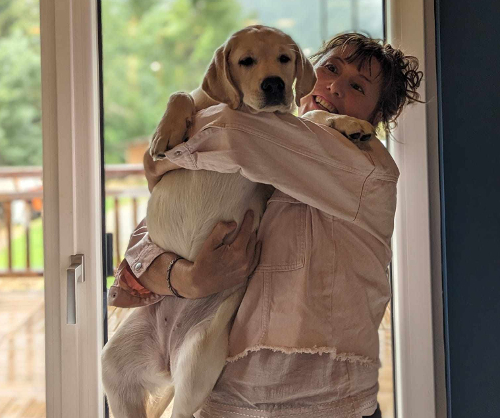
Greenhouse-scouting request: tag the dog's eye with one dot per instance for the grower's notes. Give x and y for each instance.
(284, 59)
(247, 62)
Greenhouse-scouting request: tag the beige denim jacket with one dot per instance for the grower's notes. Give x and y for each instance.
(322, 284)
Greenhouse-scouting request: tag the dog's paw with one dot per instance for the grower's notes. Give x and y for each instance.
(354, 129)
(174, 124)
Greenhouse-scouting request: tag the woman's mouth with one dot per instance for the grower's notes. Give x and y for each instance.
(325, 104)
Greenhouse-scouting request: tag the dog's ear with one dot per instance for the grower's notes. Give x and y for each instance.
(217, 82)
(305, 75)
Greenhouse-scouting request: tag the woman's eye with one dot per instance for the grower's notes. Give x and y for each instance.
(284, 59)
(247, 62)
(331, 67)
(358, 87)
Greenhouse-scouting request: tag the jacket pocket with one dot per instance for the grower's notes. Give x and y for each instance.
(283, 234)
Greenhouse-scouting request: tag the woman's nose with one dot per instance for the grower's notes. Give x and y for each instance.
(336, 87)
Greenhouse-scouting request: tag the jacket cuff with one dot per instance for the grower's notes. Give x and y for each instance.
(127, 292)
(140, 256)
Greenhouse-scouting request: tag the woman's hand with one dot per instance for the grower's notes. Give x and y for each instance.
(219, 266)
(156, 169)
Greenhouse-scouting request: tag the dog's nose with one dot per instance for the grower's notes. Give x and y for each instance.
(273, 85)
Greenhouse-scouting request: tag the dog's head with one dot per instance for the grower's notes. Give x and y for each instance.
(257, 67)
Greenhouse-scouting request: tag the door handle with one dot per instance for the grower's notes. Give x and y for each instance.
(75, 274)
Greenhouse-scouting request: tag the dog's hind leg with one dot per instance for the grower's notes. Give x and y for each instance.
(130, 403)
(198, 368)
(201, 358)
(157, 408)
(132, 365)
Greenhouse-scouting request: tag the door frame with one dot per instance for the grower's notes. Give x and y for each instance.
(72, 205)
(417, 284)
(72, 213)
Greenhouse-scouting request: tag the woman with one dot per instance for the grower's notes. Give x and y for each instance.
(305, 339)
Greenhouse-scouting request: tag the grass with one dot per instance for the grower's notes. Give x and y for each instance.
(109, 281)
(110, 202)
(19, 248)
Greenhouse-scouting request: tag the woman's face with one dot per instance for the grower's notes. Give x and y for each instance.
(344, 89)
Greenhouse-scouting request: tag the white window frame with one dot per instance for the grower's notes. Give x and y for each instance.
(72, 212)
(417, 284)
(72, 206)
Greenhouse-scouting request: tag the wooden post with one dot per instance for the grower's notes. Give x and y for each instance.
(27, 205)
(8, 225)
(117, 230)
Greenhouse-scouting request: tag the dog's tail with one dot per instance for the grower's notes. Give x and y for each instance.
(157, 407)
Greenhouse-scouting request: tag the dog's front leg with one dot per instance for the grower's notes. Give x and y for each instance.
(356, 130)
(172, 129)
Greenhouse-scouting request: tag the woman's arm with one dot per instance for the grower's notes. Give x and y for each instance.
(217, 266)
(142, 274)
(312, 163)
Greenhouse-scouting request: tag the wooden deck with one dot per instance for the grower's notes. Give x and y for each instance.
(22, 351)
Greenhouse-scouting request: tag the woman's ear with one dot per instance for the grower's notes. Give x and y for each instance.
(217, 82)
(305, 75)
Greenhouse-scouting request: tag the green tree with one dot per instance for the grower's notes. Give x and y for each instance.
(152, 49)
(20, 85)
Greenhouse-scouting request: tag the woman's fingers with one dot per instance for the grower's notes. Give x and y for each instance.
(218, 266)
(220, 231)
(251, 243)
(245, 232)
(156, 169)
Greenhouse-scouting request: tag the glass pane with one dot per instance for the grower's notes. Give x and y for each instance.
(156, 47)
(22, 328)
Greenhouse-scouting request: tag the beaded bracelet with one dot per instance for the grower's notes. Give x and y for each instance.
(169, 271)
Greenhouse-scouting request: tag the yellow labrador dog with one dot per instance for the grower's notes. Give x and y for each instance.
(179, 346)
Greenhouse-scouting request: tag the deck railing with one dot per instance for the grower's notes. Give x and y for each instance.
(117, 191)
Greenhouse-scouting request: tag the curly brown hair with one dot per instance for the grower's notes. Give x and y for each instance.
(401, 77)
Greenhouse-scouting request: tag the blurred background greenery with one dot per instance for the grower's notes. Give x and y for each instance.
(20, 88)
(151, 48)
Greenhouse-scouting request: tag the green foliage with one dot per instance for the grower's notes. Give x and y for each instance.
(152, 49)
(20, 85)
